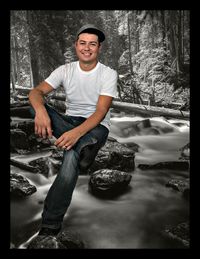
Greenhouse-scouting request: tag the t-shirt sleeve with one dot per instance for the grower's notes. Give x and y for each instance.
(109, 84)
(55, 79)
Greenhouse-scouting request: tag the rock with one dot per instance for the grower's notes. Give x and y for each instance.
(70, 240)
(42, 165)
(108, 183)
(26, 126)
(181, 186)
(18, 140)
(180, 233)
(44, 242)
(114, 156)
(64, 240)
(185, 152)
(20, 186)
(176, 165)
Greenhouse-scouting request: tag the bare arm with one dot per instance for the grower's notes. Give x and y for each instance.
(69, 138)
(42, 120)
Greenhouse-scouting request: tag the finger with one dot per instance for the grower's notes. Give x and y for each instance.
(60, 142)
(36, 129)
(69, 147)
(44, 132)
(49, 132)
(39, 131)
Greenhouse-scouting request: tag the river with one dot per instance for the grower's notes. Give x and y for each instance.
(137, 218)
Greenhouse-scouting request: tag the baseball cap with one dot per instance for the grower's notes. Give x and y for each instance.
(90, 28)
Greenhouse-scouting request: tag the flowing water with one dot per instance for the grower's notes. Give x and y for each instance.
(137, 218)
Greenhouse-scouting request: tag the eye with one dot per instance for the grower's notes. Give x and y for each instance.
(93, 44)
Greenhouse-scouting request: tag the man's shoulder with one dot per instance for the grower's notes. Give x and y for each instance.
(107, 70)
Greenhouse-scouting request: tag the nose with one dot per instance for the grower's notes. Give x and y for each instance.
(86, 47)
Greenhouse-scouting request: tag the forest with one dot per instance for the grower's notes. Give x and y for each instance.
(150, 49)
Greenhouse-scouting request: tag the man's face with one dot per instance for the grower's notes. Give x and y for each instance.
(87, 47)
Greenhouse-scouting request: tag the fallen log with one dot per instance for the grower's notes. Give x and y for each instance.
(24, 166)
(151, 110)
(131, 107)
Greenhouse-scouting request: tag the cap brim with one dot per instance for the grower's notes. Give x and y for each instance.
(99, 33)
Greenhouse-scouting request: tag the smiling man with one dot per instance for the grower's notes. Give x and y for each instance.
(90, 87)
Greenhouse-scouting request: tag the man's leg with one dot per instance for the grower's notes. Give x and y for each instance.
(59, 196)
(60, 193)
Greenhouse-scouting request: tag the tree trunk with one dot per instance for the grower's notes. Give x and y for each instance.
(150, 110)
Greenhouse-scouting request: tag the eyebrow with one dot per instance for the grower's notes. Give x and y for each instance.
(89, 41)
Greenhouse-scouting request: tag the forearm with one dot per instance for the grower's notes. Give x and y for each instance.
(36, 99)
(69, 138)
(90, 122)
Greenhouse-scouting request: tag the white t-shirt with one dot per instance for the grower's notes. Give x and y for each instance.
(83, 88)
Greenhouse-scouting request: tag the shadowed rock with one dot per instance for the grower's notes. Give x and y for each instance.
(176, 165)
(70, 240)
(64, 240)
(18, 140)
(179, 233)
(114, 156)
(20, 186)
(185, 152)
(108, 183)
(181, 186)
(44, 242)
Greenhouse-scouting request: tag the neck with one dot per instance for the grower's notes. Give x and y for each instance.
(87, 66)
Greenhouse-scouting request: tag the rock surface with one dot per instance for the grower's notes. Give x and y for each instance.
(114, 156)
(64, 240)
(180, 233)
(20, 186)
(108, 183)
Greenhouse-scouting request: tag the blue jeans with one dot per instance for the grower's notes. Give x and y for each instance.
(79, 157)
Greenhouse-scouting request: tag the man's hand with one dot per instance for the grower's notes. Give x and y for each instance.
(68, 139)
(43, 124)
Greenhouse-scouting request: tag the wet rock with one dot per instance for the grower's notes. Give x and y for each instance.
(108, 183)
(21, 111)
(185, 152)
(26, 126)
(24, 166)
(70, 240)
(64, 240)
(182, 185)
(44, 242)
(176, 165)
(42, 165)
(18, 140)
(20, 186)
(114, 156)
(180, 233)
(57, 154)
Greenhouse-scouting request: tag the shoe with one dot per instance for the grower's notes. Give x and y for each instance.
(49, 231)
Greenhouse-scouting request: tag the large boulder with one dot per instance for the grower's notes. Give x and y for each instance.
(108, 183)
(114, 155)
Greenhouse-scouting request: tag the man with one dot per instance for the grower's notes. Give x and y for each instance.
(90, 87)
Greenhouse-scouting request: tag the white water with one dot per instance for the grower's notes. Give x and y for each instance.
(138, 217)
